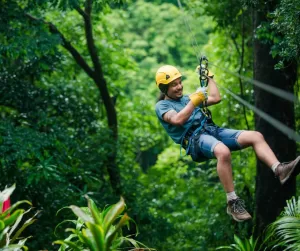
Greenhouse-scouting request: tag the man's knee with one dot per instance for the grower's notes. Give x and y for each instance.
(222, 152)
(249, 138)
(257, 136)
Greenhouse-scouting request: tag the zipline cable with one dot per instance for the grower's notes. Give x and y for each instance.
(272, 121)
(274, 90)
(193, 40)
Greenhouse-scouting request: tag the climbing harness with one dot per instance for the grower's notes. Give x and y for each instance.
(191, 132)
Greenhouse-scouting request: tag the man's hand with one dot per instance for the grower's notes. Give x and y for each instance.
(199, 96)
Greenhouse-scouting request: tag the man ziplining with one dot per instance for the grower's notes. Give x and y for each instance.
(187, 124)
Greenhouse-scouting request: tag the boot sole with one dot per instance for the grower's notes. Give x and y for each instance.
(293, 172)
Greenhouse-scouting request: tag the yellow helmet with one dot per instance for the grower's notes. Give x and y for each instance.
(166, 74)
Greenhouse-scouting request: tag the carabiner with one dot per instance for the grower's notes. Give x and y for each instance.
(203, 71)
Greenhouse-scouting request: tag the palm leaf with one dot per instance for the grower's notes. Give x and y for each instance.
(285, 231)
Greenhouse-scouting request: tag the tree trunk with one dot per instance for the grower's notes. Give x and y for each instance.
(97, 75)
(270, 195)
(111, 114)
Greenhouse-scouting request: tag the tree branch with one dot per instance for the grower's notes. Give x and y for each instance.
(65, 43)
(236, 45)
(89, 35)
(88, 7)
(81, 12)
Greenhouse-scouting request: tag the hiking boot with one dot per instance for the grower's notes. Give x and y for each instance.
(285, 170)
(236, 208)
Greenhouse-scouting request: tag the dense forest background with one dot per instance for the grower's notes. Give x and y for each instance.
(77, 97)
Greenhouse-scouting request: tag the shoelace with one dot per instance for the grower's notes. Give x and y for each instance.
(238, 206)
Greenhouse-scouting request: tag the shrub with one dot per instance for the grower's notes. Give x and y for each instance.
(97, 230)
(11, 225)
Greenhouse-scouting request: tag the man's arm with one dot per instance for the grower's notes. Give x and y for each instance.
(214, 96)
(179, 118)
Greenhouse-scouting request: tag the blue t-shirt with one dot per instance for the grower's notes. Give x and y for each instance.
(177, 132)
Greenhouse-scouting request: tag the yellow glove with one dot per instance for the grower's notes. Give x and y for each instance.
(199, 96)
(210, 74)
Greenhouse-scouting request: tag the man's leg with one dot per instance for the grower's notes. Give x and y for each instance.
(223, 155)
(260, 146)
(211, 147)
(255, 139)
(235, 206)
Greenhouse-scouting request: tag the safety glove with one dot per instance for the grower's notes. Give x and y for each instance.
(210, 74)
(199, 96)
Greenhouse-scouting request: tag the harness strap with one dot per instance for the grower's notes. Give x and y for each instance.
(193, 134)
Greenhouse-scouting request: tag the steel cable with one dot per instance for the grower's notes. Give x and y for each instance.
(194, 40)
(271, 89)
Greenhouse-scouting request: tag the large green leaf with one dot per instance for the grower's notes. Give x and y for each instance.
(113, 213)
(95, 212)
(81, 214)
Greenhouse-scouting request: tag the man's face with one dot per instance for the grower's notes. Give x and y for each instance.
(175, 89)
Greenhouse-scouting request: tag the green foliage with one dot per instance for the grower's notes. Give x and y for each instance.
(228, 14)
(53, 127)
(154, 40)
(188, 203)
(282, 234)
(242, 245)
(280, 29)
(11, 225)
(286, 23)
(24, 52)
(98, 230)
(285, 231)
(54, 141)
